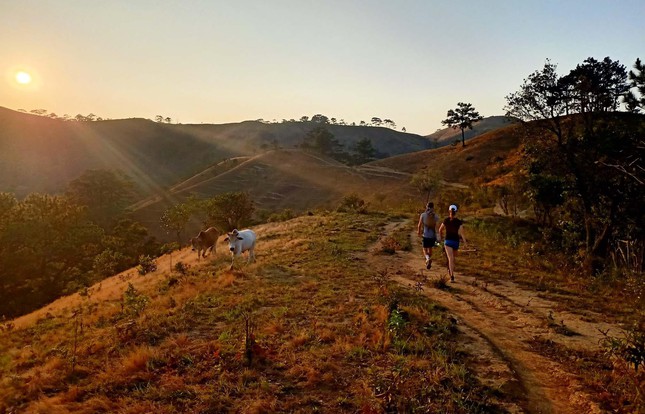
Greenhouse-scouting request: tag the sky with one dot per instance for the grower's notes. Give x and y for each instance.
(228, 61)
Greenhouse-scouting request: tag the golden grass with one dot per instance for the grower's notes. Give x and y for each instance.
(319, 323)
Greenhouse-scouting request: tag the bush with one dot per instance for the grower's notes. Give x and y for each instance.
(352, 204)
(181, 268)
(146, 265)
(284, 215)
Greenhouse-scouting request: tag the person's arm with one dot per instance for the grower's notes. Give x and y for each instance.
(441, 229)
(437, 229)
(461, 234)
(420, 226)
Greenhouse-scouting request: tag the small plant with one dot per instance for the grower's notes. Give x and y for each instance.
(133, 302)
(389, 245)
(440, 282)
(631, 348)
(352, 204)
(181, 268)
(146, 265)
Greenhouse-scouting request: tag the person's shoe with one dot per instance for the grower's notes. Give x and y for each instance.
(452, 278)
(428, 264)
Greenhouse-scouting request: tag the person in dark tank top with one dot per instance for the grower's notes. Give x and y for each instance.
(454, 230)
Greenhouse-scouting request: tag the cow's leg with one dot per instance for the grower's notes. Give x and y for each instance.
(251, 254)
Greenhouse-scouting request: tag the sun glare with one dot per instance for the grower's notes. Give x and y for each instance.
(23, 78)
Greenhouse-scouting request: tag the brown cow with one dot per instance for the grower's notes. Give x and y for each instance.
(204, 241)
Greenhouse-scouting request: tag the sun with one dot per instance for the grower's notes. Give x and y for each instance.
(23, 77)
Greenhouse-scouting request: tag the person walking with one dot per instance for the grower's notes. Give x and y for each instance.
(454, 229)
(427, 228)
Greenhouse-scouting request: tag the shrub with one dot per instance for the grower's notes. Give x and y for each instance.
(352, 204)
(146, 265)
(133, 302)
(181, 268)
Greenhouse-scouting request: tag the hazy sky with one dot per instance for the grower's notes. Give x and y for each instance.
(228, 61)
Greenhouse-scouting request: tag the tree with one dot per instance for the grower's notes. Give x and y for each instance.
(363, 151)
(175, 218)
(323, 141)
(228, 211)
(159, 118)
(461, 118)
(304, 118)
(376, 121)
(426, 181)
(320, 119)
(104, 193)
(570, 159)
(597, 86)
(635, 97)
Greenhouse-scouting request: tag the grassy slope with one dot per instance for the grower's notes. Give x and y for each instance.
(39, 154)
(323, 338)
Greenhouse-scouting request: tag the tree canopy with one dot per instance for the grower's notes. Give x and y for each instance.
(462, 118)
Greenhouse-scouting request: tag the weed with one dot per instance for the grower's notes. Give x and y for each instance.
(133, 302)
(181, 268)
(146, 265)
(441, 282)
(631, 348)
(389, 245)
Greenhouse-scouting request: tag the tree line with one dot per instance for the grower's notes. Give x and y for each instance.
(51, 245)
(325, 120)
(582, 161)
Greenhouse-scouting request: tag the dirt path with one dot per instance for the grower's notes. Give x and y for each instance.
(499, 320)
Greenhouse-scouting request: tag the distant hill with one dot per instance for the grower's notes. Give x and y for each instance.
(301, 180)
(276, 180)
(38, 154)
(486, 158)
(448, 136)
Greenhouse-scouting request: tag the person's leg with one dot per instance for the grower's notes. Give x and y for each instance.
(451, 261)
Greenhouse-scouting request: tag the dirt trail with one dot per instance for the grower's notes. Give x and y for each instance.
(498, 321)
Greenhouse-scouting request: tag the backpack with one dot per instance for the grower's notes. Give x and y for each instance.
(430, 220)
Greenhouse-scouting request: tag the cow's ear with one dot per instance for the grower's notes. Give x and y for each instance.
(239, 238)
(226, 239)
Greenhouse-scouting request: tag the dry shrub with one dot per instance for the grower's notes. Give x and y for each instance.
(274, 328)
(181, 341)
(47, 406)
(97, 404)
(261, 406)
(46, 377)
(137, 360)
(389, 245)
(301, 339)
(73, 394)
(226, 279)
(326, 335)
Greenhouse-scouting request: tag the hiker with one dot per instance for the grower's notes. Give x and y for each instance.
(454, 231)
(427, 228)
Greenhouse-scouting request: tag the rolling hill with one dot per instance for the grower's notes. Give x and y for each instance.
(448, 136)
(39, 154)
(301, 180)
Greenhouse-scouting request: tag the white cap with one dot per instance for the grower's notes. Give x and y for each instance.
(452, 207)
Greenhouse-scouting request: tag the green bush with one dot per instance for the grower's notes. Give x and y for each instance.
(146, 265)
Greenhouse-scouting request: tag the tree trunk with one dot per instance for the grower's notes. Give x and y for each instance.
(463, 140)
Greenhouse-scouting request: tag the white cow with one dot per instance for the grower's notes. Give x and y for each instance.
(241, 241)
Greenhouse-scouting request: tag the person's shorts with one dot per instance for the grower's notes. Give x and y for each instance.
(452, 243)
(429, 242)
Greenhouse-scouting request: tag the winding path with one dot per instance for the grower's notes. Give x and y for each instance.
(498, 322)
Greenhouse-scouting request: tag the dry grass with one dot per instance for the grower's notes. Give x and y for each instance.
(318, 341)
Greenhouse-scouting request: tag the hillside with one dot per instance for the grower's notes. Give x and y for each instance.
(326, 320)
(448, 136)
(301, 180)
(277, 180)
(485, 158)
(39, 154)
